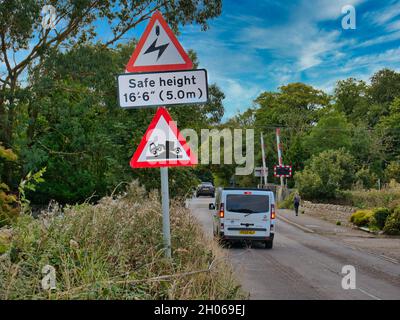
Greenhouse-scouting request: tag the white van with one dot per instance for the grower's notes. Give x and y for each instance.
(244, 214)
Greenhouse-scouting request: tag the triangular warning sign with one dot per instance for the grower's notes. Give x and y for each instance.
(162, 145)
(158, 49)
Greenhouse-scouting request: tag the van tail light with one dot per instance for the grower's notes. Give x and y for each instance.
(273, 215)
(221, 211)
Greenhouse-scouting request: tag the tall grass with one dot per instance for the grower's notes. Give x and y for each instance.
(114, 250)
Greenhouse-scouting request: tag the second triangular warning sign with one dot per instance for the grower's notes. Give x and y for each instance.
(158, 49)
(162, 145)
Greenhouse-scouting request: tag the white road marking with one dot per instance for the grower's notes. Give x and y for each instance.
(369, 294)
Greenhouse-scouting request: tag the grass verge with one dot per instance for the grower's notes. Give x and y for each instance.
(114, 250)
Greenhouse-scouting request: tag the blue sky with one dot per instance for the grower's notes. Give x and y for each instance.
(260, 45)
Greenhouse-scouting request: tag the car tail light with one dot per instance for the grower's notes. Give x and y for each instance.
(273, 215)
(221, 211)
(247, 192)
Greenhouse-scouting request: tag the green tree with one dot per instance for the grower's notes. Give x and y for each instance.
(21, 32)
(368, 146)
(389, 125)
(75, 128)
(223, 173)
(8, 202)
(366, 179)
(326, 174)
(392, 171)
(331, 132)
(351, 98)
(384, 89)
(295, 108)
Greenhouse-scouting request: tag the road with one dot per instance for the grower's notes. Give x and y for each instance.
(305, 265)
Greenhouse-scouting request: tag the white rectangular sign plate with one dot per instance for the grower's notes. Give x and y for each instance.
(138, 90)
(259, 172)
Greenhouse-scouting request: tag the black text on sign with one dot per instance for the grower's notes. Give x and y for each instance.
(162, 88)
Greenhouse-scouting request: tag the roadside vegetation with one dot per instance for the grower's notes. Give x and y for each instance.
(64, 138)
(288, 202)
(113, 250)
(66, 118)
(344, 147)
(379, 209)
(388, 196)
(378, 219)
(58, 104)
(345, 141)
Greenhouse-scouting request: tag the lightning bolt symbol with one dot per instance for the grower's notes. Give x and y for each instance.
(160, 49)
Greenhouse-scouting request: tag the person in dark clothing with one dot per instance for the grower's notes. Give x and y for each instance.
(296, 203)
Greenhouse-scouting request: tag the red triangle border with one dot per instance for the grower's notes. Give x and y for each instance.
(167, 67)
(162, 112)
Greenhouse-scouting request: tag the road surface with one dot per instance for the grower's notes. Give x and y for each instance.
(306, 265)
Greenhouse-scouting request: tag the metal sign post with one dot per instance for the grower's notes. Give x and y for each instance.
(163, 146)
(160, 75)
(165, 211)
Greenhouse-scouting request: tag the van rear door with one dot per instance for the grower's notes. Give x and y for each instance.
(247, 214)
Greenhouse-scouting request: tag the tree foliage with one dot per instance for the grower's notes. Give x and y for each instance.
(360, 120)
(65, 116)
(331, 132)
(8, 202)
(326, 174)
(294, 109)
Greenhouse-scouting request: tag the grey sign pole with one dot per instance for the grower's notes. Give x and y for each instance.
(165, 211)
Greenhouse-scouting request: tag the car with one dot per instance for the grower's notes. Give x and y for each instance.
(244, 215)
(205, 189)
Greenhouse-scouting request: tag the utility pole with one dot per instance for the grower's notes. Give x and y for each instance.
(265, 174)
(278, 144)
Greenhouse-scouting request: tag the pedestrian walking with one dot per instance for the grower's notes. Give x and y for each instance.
(296, 203)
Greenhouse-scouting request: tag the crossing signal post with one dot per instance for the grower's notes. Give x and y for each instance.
(278, 144)
(264, 167)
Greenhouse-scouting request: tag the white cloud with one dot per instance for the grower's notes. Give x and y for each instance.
(301, 42)
(387, 18)
(394, 26)
(382, 16)
(394, 36)
(246, 55)
(239, 95)
(301, 39)
(327, 9)
(385, 58)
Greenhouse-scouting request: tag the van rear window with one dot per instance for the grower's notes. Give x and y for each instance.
(247, 203)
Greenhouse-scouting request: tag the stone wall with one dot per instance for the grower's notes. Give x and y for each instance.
(328, 212)
(327, 206)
